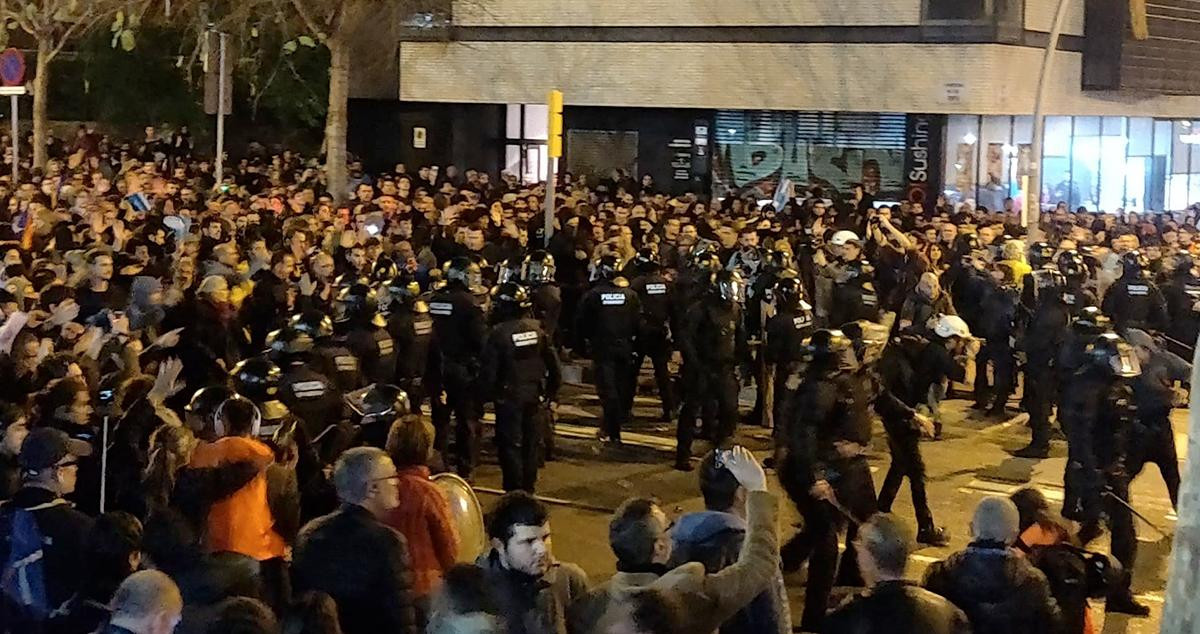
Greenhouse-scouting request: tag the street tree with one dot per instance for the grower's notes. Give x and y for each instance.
(56, 24)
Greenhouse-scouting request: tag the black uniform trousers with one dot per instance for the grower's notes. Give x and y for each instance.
(463, 401)
(818, 540)
(1000, 354)
(1154, 442)
(713, 382)
(612, 374)
(518, 427)
(1039, 398)
(654, 344)
(905, 448)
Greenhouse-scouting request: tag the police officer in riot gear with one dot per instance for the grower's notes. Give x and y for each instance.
(521, 375)
(1076, 296)
(357, 321)
(910, 368)
(825, 469)
(310, 395)
(714, 338)
(1133, 301)
(411, 328)
(459, 331)
(1182, 295)
(1047, 317)
(257, 379)
(332, 358)
(997, 319)
(783, 345)
(853, 296)
(1100, 400)
(537, 275)
(655, 294)
(607, 323)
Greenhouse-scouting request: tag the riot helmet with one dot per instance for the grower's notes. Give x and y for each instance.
(465, 271)
(1091, 322)
(288, 343)
(383, 270)
(1185, 265)
(204, 403)
(401, 290)
(729, 286)
(1040, 254)
(378, 402)
(832, 349)
(788, 293)
(357, 302)
(538, 268)
(1072, 266)
(1113, 355)
(606, 268)
(779, 259)
(314, 323)
(256, 378)
(646, 260)
(1134, 264)
(509, 300)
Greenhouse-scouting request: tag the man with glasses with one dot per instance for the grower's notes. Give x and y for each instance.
(49, 463)
(354, 557)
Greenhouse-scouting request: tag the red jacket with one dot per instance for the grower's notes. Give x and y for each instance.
(423, 517)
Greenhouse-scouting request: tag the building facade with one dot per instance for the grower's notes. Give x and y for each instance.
(909, 97)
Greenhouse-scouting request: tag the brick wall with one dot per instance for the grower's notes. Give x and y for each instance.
(997, 79)
(686, 12)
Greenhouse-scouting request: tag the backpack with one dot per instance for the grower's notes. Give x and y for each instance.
(23, 578)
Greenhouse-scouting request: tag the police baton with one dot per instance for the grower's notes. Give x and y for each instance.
(833, 501)
(1136, 514)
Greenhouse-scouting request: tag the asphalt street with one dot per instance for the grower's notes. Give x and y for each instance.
(589, 480)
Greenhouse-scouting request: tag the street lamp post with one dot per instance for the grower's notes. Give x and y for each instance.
(1032, 209)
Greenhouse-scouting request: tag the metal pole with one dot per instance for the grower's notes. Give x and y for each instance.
(104, 463)
(551, 177)
(1032, 209)
(16, 140)
(219, 163)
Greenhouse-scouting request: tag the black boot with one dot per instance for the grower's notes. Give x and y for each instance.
(1035, 450)
(1124, 603)
(933, 536)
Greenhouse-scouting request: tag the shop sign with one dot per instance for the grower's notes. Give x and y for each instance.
(922, 156)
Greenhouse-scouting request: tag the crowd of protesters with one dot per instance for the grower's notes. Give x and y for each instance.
(213, 394)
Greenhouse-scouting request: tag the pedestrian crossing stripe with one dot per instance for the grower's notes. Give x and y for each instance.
(612, 299)
(656, 289)
(441, 308)
(522, 339)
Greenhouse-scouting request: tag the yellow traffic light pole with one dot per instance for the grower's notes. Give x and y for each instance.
(554, 152)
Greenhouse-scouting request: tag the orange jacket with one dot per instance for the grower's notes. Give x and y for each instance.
(423, 517)
(242, 522)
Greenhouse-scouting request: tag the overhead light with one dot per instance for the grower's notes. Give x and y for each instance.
(1186, 124)
(970, 139)
(958, 166)
(1190, 139)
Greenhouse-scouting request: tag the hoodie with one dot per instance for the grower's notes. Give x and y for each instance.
(714, 538)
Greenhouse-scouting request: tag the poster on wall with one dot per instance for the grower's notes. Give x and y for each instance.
(922, 156)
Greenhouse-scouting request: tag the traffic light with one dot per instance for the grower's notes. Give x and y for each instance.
(556, 123)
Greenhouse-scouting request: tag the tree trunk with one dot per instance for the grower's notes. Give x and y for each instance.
(1181, 613)
(41, 88)
(335, 118)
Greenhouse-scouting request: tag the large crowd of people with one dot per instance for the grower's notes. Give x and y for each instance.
(221, 400)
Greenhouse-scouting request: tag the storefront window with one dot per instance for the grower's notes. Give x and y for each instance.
(525, 126)
(1099, 163)
(955, 9)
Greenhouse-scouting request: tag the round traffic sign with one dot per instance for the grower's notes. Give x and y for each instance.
(12, 67)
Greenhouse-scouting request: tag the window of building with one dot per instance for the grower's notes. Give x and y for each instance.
(526, 131)
(956, 10)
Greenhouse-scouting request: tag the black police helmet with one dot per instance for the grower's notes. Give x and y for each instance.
(1184, 263)
(538, 268)
(465, 271)
(832, 347)
(354, 302)
(606, 267)
(729, 286)
(646, 260)
(1134, 264)
(402, 289)
(1072, 265)
(1040, 253)
(289, 341)
(379, 400)
(510, 295)
(314, 323)
(256, 378)
(383, 270)
(206, 400)
(1113, 355)
(788, 293)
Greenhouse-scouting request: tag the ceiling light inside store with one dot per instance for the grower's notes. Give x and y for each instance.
(1190, 139)
(970, 139)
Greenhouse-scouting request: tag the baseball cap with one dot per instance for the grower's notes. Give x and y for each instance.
(845, 237)
(45, 447)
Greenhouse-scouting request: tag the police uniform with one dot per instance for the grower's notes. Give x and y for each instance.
(654, 334)
(411, 329)
(335, 361)
(607, 322)
(783, 348)
(1049, 316)
(458, 335)
(996, 321)
(853, 296)
(714, 340)
(519, 373)
(1133, 301)
(1182, 296)
(315, 401)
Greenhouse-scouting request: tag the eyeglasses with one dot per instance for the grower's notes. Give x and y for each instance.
(393, 478)
(68, 464)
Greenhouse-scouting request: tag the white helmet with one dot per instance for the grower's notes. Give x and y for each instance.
(842, 237)
(946, 326)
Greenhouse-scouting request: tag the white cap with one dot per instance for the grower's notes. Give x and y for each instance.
(842, 237)
(950, 326)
